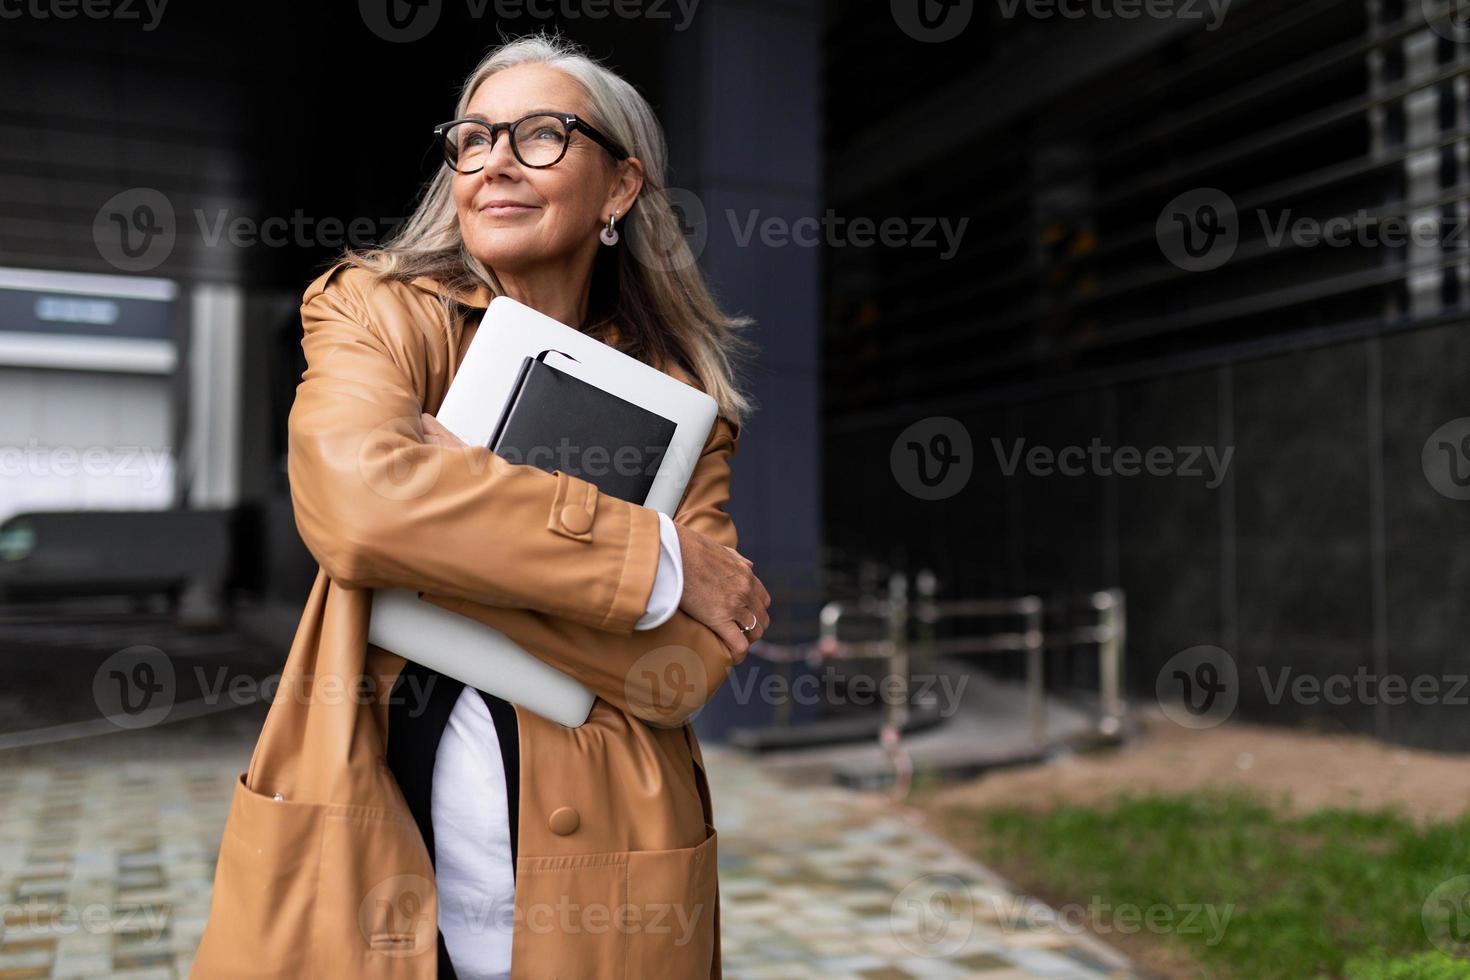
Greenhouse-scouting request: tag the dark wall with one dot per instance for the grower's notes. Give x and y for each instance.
(1062, 318)
(258, 111)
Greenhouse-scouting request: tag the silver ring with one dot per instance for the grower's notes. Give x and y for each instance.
(747, 630)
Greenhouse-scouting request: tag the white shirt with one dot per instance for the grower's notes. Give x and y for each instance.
(473, 867)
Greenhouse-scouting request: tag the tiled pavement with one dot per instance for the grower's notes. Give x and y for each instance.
(821, 882)
(107, 848)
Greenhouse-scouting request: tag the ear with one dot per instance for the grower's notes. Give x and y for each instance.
(626, 186)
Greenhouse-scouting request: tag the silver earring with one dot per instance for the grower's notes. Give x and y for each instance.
(609, 235)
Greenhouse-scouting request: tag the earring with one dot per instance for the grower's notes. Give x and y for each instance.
(609, 235)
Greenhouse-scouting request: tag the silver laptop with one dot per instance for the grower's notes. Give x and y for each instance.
(470, 651)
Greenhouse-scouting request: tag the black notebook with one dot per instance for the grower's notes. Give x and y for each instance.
(556, 421)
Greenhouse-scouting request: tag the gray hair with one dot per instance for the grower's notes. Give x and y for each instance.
(657, 296)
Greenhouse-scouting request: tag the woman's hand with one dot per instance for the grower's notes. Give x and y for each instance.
(721, 590)
(720, 587)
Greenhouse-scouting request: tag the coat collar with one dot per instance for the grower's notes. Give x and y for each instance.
(477, 298)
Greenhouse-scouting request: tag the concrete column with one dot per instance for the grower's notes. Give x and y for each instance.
(742, 109)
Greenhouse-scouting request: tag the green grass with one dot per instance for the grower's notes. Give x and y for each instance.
(1336, 893)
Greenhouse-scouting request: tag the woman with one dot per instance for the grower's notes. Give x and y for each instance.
(390, 818)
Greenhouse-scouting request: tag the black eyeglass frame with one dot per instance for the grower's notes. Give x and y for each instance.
(574, 124)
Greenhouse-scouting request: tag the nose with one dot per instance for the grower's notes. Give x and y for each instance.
(502, 160)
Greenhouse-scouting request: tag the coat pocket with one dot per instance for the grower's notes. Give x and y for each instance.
(310, 890)
(377, 908)
(260, 911)
(566, 925)
(673, 895)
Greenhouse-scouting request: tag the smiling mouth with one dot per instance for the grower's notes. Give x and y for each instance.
(506, 208)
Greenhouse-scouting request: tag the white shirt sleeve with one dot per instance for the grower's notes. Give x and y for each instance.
(668, 582)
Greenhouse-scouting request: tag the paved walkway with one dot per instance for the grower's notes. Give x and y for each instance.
(107, 848)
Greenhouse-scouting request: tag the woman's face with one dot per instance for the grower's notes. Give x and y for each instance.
(515, 218)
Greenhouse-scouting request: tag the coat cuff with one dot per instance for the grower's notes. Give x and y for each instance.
(640, 569)
(668, 585)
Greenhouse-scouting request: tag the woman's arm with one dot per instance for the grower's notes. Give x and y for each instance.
(662, 675)
(381, 507)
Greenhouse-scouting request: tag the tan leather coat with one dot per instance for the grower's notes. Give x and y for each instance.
(322, 872)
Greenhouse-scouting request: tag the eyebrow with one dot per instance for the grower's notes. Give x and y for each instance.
(533, 112)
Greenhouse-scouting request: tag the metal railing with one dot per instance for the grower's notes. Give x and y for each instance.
(909, 630)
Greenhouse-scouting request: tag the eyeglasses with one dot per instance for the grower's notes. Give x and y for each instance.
(538, 140)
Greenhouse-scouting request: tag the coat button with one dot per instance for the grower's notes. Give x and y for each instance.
(564, 820)
(576, 519)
